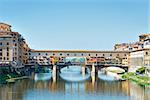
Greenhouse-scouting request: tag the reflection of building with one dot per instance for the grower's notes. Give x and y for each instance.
(138, 93)
(13, 47)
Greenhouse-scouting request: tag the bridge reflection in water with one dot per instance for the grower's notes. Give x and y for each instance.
(29, 89)
(75, 73)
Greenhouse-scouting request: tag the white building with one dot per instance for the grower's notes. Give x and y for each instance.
(140, 58)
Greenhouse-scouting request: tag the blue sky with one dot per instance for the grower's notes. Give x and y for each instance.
(76, 24)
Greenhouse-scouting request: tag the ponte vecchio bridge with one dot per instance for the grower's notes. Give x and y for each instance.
(95, 60)
(99, 58)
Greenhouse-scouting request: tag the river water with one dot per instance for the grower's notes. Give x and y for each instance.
(58, 89)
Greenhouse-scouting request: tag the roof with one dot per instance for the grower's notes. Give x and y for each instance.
(144, 35)
(5, 24)
(141, 50)
(4, 32)
(80, 51)
(3, 35)
(147, 39)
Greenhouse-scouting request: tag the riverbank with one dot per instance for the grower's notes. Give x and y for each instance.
(11, 78)
(139, 79)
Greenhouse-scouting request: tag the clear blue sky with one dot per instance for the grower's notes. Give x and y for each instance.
(76, 24)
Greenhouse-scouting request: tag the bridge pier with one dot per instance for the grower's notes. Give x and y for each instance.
(83, 70)
(93, 70)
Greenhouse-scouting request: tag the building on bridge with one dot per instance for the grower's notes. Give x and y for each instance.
(98, 57)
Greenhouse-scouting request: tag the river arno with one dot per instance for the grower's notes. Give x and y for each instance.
(28, 89)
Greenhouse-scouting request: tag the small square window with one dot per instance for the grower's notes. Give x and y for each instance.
(146, 53)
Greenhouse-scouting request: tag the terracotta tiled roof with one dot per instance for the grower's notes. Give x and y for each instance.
(5, 24)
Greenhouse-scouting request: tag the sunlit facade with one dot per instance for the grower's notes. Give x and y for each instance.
(13, 47)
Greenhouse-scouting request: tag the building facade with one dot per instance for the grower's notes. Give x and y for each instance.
(144, 42)
(139, 52)
(13, 47)
(147, 43)
(6, 49)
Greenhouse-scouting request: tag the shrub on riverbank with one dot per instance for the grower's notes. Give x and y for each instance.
(126, 75)
(142, 80)
(5, 77)
(141, 70)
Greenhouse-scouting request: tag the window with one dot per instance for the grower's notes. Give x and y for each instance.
(146, 53)
(67, 54)
(14, 58)
(130, 48)
(46, 54)
(89, 55)
(39, 53)
(111, 55)
(60, 54)
(0, 49)
(1, 43)
(125, 55)
(7, 53)
(7, 49)
(7, 43)
(0, 53)
(82, 54)
(15, 44)
(103, 55)
(117, 54)
(75, 54)
(96, 54)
